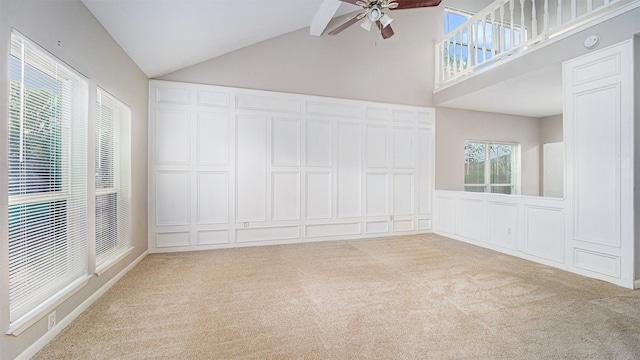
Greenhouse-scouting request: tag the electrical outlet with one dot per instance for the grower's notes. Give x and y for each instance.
(51, 320)
(246, 224)
(509, 232)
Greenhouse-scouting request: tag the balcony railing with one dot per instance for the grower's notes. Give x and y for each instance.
(507, 27)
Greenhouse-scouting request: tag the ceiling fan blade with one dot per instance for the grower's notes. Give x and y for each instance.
(350, 1)
(412, 4)
(349, 22)
(386, 31)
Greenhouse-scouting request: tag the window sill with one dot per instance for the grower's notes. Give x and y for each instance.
(102, 268)
(26, 321)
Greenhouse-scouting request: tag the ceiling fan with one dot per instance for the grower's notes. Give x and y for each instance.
(373, 13)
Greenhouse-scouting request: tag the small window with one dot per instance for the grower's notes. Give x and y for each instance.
(490, 167)
(454, 18)
(112, 178)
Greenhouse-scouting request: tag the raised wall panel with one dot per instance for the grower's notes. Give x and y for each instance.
(213, 237)
(403, 148)
(173, 137)
(597, 168)
(424, 171)
(285, 201)
(211, 98)
(285, 142)
(172, 239)
(544, 233)
(349, 170)
(166, 95)
(447, 214)
(596, 70)
(377, 194)
(334, 109)
(325, 230)
(319, 139)
(403, 199)
(424, 224)
(318, 195)
(606, 264)
(213, 139)
(403, 225)
(405, 116)
(471, 219)
(266, 103)
(381, 114)
(268, 234)
(424, 118)
(377, 227)
(251, 169)
(172, 198)
(377, 149)
(503, 222)
(213, 197)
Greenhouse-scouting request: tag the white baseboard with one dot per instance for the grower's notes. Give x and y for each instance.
(47, 337)
(636, 285)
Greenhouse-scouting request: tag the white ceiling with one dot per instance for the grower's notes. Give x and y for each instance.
(163, 36)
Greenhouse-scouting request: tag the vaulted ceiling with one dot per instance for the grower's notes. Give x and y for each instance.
(163, 36)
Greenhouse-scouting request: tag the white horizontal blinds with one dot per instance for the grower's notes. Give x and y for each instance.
(112, 177)
(47, 176)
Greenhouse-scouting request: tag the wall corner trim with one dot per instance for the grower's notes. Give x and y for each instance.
(47, 337)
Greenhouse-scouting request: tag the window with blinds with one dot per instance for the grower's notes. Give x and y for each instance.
(112, 179)
(47, 177)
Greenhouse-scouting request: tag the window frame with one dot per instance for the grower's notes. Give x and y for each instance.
(487, 185)
(120, 178)
(67, 271)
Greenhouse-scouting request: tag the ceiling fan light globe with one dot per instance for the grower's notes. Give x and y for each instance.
(374, 14)
(366, 24)
(385, 20)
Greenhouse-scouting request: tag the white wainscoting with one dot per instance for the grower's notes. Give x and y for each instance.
(524, 226)
(234, 167)
(533, 228)
(599, 134)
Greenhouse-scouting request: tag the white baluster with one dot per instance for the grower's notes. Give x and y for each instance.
(453, 55)
(523, 31)
(559, 11)
(501, 34)
(459, 57)
(445, 56)
(589, 6)
(513, 34)
(468, 47)
(494, 42)
(476, 41)
(546, 16)
(439, 63)
(484, 40)
(574, 10)
(534, 21)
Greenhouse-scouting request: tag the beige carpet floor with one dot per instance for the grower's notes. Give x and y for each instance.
(415, 297)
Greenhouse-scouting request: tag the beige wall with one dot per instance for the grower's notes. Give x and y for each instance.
(551, 129)
(454, 126)
(354, 64)
(70, 32)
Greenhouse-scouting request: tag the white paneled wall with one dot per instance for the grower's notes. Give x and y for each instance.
(235, 167)
(591, 231)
